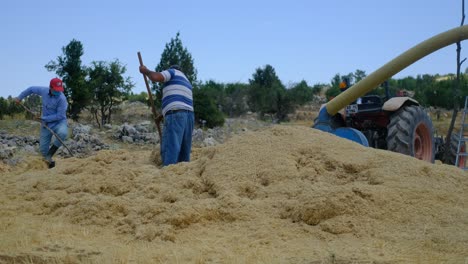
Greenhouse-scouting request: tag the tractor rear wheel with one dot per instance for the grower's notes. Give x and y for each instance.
(453, 151)
(410, 132)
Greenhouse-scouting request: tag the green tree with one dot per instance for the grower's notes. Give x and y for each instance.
(34, 103)
(424, 86)
(463, 88)
(211, 100)
(206, 109)
(350, 77)
(266, 93)
(336, 80)
(12, 107)
(334, 90)
(439, 94)
(109, 88)
(215, 91)
(141, 97)
(236, 99)
(175, 53)
(359, 75)
(285, 105)
(407, 83)
(68, 67)
(3, 107)
(318, 88)
(301, 93)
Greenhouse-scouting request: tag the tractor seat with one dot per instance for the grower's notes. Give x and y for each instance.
(371, 99)
(370, 103)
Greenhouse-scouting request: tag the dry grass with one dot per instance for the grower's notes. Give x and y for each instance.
(20, 127)
(286, 194)
(282, 195)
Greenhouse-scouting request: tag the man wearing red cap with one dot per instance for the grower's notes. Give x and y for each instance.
(54, 108)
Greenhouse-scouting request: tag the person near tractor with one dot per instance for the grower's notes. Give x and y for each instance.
(54, 107)
(345, 85)
(177, 110)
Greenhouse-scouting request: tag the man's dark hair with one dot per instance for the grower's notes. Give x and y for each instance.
(176, 67)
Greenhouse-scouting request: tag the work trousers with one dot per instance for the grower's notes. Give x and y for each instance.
(177, 137)
(61, 129)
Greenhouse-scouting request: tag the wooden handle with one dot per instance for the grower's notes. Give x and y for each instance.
(140, 59)
(150, 95)
(146, 81)
(48, 128)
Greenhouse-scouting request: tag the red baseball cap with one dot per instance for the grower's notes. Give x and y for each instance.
(56, 84)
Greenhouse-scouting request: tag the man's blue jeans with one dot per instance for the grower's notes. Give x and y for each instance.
(177, 137)
(61, 129)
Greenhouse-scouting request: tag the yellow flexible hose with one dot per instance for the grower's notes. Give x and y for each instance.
(407, 58)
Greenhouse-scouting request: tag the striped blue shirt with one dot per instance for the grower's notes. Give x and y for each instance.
(177, 91)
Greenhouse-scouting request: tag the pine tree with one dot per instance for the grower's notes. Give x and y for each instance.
(175, 54)
(68, 67)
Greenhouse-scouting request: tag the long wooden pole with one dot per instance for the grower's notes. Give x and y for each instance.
(157, 119)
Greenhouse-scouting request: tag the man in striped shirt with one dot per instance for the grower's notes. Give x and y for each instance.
(177, 109)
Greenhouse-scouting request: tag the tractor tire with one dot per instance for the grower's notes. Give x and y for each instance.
(453, 151)
(410, 132)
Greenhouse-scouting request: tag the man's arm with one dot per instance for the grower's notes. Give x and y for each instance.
(31, 90)
(152, 75)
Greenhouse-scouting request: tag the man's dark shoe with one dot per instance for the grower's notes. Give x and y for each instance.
(51, 153)
(51, 164)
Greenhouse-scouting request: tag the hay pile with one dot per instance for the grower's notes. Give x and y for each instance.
(282, 195)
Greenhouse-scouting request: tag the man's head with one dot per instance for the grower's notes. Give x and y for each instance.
(56, 85)
(176, 67)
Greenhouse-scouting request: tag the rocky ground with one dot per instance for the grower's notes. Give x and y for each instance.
(20, 138)
(132, 129)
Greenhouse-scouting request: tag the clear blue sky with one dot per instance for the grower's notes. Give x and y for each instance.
(302, 39)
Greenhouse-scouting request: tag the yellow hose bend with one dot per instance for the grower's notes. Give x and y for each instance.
(407, 58)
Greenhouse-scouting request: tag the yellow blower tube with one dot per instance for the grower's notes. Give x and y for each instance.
(407, 58)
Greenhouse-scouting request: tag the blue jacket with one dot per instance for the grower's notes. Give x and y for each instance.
(54, 108)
